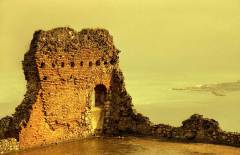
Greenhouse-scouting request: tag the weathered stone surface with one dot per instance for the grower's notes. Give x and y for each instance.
(4, 126)
(7, 145)
(76, 89)
(122, 119)
(63, 69)
(197, 129)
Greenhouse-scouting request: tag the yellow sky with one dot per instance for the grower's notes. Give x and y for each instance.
(165, 36)
(191, 34)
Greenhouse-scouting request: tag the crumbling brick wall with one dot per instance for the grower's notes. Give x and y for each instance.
(122, 117)
(62, 68)
(197, 129)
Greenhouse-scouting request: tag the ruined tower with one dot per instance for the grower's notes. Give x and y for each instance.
(75, 89)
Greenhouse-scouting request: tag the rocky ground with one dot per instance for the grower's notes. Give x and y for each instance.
(8, 145)
(195, 129)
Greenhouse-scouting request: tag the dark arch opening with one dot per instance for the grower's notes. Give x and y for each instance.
(98, 63)
(53, 65)
(81, 63)
(62, 64)
(72, 64)
(113, 61)
(45, 78)
(42, 65)
(90, 64)
(100, 95)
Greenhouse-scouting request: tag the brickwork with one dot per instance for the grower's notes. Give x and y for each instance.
(62, 68)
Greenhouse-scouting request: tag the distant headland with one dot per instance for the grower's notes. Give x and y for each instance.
(218, 89)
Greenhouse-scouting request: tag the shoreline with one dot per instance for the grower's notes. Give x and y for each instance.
(196, 129)
(129, 145)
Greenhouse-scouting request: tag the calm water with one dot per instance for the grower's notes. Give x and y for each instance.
(132, 146)
(153, 96)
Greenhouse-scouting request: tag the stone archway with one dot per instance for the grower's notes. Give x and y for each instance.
(100, 95)
(97, 107)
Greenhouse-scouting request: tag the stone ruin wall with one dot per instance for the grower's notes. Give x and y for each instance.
(62, 69)
(67, 71)
(197, 129)
(63, 101)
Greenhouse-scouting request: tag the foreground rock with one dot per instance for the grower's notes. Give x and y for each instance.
(8, 145)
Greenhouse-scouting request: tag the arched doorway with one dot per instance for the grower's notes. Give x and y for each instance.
(100, 95)
(98, 100)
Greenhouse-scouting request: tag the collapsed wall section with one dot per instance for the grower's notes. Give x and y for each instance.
(121, 118)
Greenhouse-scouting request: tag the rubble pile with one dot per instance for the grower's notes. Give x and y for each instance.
(197, 129)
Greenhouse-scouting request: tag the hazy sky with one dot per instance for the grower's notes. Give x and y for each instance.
(164, 36)
(161, 34)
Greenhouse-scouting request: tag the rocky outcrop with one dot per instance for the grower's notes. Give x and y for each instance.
(4, 126)
(197, 129)
(218, 89)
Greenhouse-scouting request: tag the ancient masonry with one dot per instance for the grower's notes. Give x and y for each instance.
(75, 89)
